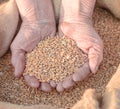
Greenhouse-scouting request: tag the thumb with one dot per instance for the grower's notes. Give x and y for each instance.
(95, 57)
(18, 61)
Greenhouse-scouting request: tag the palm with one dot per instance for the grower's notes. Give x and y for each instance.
(89, 41)
(35, 27)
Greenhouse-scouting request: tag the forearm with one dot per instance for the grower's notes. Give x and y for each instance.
(75, 9)
(36, 10)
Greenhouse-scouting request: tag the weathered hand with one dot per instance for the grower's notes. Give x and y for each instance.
(37, 22)
(78, 26)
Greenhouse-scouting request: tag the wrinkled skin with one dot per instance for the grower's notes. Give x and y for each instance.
(76, 23)
(37, 23)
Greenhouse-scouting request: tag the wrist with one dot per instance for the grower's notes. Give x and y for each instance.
(76, 10)
(82, 20)
(38, 24)
(69, 9)
(36, 10)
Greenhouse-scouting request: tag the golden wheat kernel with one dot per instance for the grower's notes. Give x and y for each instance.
(54, 59)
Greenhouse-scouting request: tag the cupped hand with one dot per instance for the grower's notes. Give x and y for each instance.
(87, 40)
(37, 23)
(78, 26)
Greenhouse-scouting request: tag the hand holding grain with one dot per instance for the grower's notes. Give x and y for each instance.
(76, 23)
(37, 22)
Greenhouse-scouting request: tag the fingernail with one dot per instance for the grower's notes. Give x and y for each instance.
(68, 82)
(35, 84)
(45, 87)
(32, 81)
(17, 75)
(76, 78)
(53, 84)
(59, 87)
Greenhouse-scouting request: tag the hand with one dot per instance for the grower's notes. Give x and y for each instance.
(37, 23)
(78, 26)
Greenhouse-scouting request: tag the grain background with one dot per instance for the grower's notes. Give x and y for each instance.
(16, 91)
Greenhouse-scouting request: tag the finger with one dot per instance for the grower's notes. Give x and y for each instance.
(59, 87)
(45, 87)
(68, 82)
(81, 72)
(32, 81)
(53, 84)
(18, 61)
(95, 58)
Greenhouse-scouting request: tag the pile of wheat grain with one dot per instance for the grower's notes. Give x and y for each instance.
(54, 59)
(16, 91)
